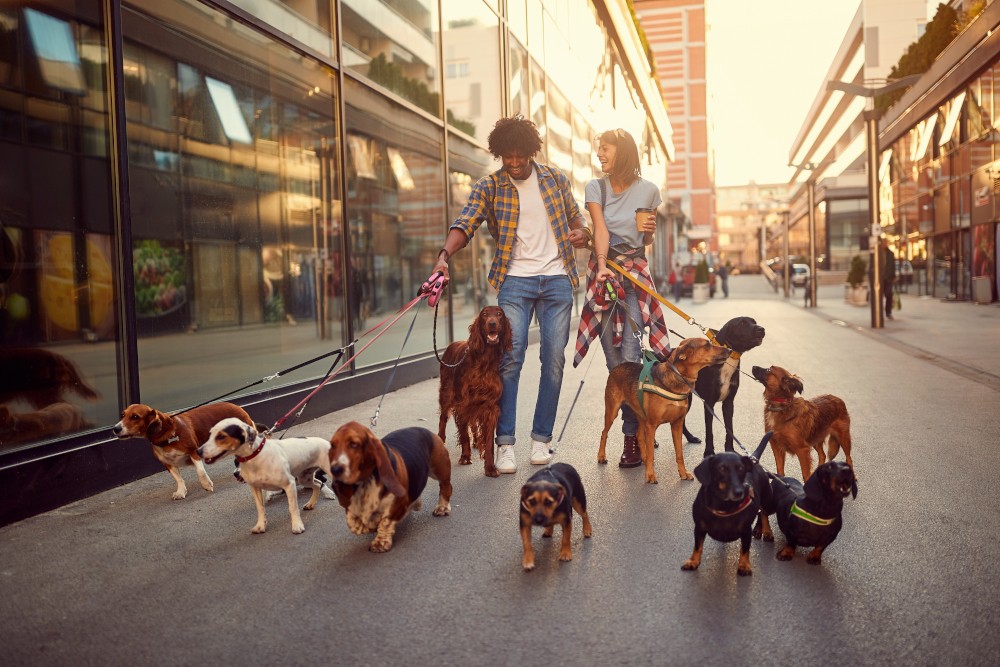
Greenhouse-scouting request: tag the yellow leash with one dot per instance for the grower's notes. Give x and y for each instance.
(687, 318)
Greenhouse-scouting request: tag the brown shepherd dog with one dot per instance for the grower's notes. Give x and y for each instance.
(471, 385)
(801, 425)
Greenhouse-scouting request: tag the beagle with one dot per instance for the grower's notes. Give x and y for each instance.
(270, 464)
(176, 438)
(378, 481)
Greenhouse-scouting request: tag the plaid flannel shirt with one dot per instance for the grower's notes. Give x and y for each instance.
(494, 199)
(592, 314)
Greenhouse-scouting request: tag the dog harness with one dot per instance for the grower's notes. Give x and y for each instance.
(646, 384)
(253, 454)
(807, 517)
(745, 504)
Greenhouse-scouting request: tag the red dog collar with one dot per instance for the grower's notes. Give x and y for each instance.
(244, 459)
(745, 504)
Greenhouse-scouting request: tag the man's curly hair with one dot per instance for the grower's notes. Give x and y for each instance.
(514, 135)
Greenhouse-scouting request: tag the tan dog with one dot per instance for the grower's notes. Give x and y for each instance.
(176, 438)
(674, 380)
(378, 481)
(801, 425)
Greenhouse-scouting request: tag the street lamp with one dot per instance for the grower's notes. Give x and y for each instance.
(812, 168)
(871, 127)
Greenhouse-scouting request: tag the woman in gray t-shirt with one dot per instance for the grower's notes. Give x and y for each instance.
(612, 202)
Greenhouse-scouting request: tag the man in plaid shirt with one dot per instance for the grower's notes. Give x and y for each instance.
(530, 212)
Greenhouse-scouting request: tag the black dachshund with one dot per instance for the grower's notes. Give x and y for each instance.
(734, 491)
(809, 515)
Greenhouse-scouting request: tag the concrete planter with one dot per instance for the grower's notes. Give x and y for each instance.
(856, 296)
(699, 292)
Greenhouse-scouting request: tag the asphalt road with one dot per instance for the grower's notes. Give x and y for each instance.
(131, 577)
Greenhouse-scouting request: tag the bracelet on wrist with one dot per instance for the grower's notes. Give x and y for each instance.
(444, 252)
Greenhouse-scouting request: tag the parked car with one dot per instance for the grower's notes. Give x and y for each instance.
(800, 275)
(687, 281)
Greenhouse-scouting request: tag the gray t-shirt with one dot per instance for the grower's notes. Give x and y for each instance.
(619, 209)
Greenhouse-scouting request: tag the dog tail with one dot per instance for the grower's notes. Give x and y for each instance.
(760, 448)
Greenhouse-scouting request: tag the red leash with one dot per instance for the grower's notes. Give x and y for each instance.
(392, 319)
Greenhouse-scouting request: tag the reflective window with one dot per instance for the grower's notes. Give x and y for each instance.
(473, 95)
(57, 356)
(235, 206)
(469, 268)
(560, 134)
(394, 43)
(537, 110)
(307, 21)
(517, 19)
(519, 88)
(396, 213)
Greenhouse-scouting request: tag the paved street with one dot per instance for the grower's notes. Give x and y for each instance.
(130, 577)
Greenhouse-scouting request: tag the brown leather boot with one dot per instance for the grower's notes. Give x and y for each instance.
(631, 456)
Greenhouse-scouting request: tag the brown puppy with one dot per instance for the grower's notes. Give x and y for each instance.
(377, 482)
(801, 425)
(176, 438)
(673, 381)
(549, 498)
(471, 386)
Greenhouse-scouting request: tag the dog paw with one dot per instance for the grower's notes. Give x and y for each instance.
(814, 559)
(686, 475)
(179, 495)
(442, 510)
(528, 565)
(565, 556)
(465, 461)
(491, 471)
(785, 554)
(208, 487)
(768, 537)
(690, 565)
(380, 546)
(651, 478)
(602, 460)
(744, 571)
(258, 529)
(298, 529)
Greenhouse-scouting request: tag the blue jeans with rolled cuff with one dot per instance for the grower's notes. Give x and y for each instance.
(550, 298)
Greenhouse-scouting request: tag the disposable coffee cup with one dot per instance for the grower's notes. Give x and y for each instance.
(641, 214)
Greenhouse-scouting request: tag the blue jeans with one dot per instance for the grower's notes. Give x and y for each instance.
(551, 299)
(630, 350)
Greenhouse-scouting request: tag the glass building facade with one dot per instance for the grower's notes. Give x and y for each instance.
(198, 197)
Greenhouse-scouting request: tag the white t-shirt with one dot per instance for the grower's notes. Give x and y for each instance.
(535, 252)
(619, 209)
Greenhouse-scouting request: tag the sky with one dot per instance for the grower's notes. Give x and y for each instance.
(767, 60)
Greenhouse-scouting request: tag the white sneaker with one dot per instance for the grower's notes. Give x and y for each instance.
(505, 459)
(540, 453)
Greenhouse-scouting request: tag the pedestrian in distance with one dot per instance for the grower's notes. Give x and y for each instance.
(724, 278)
(676, 281)
(622, 206)
(888, 276)
(535, 222)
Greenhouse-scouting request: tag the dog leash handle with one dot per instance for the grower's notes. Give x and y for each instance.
(433, 286)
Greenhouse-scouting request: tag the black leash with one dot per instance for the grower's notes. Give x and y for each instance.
(388, 382)
(435, 340)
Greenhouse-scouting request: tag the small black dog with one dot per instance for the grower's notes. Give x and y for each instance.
(549, 498)
(734, 491)
(809, 515)
(721, 382)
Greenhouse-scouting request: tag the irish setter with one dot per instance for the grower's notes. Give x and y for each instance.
(471, 386)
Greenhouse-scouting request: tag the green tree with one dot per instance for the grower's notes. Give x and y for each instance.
(920, 55)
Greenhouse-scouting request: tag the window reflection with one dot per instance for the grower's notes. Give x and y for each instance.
(235, 206)
(519, 88)
(394, 43)
(471, 291)
(396, 215)
(57, 362)
(472, 67)
(307, 21)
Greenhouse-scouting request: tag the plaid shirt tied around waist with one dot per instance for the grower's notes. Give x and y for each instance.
(595, 309)
(494, 199)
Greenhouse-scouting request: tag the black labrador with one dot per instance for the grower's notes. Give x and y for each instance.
(721, 382)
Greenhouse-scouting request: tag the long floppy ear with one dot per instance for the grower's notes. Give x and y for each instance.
(703, 471)
(816, 486)
(854, 489)
(155, 424)
(385, 471)
(476, 334)
(793, 383)
(251, 433)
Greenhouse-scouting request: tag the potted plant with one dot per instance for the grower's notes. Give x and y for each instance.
(700, 288)
(856, 291)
